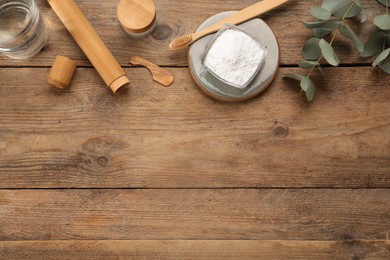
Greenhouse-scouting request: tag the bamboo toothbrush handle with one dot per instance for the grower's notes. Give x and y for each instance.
(244, 15)
(91, 44)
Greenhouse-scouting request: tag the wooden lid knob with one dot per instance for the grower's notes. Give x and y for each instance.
(61, 72)
(137, 17)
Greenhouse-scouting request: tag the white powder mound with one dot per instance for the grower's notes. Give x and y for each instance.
(234, 57)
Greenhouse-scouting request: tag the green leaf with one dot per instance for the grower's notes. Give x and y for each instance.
(320, 13)
(382, 21)
(355, 11)
(363, 13)
(308, 64)
(385, 67)
(359, 3)
(316, 24)
(374, 45)
(294, 76)
(383, 2)
(330, 5)
(311, 50)
(328, 53)
(349, 34)
(331, 24)
(323, 28)
(308, 86)
(340, 7)
(381, 57)
(364, 16)
(321, 32)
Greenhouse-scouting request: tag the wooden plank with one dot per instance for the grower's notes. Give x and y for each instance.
(178, 17)
(195, 249)
(233, 214)
(155, 137)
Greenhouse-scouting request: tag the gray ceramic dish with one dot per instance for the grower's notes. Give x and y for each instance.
(220, 90)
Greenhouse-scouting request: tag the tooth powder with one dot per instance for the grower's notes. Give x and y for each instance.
(234, 57)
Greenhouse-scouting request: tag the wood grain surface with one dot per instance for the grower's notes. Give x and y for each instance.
(175, 19)
(169, 173)
(232, 214)
(208, 249)
(155, 137)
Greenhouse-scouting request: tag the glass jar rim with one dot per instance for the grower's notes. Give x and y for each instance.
(30, 8)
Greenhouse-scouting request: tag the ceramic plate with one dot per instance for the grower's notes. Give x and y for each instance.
(219, 90)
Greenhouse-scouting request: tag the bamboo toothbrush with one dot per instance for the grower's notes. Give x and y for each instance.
(244, 15)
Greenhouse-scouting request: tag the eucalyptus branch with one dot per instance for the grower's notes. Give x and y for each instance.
(379, 45)
(352, 3)
(329, 20)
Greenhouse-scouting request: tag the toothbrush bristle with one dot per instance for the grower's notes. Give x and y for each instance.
(181, 42)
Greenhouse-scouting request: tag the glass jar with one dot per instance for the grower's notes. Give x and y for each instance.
(22, 29)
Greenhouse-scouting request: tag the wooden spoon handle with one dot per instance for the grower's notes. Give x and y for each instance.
(138, 60)
(162, 76)
(244, 15)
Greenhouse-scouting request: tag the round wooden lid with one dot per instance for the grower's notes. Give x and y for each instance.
(136, 16)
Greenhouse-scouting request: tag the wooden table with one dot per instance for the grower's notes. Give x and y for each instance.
(169, 173)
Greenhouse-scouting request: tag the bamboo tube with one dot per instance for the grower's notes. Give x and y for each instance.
(91, 44)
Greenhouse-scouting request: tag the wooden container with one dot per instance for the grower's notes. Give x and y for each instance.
(137, 17)
(61, 72)
(91, 44)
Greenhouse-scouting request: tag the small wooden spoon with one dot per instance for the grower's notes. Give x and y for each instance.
(160, 75)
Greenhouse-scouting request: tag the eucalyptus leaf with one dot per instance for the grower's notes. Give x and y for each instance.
(326, 28)
(331, 24)
(364, 16)
(306, 64)
(321, 32)
(330, 5)
(374, 45)
(320, 13)
(349, 34)
(381, 57)
(329, 53)
(294, 76)
(308, 86)
(316, 24)
(383, 2)
(385, 67)
(340, 7)
(382, 21)
(355, 11)
(311, 50)
(359, 3)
